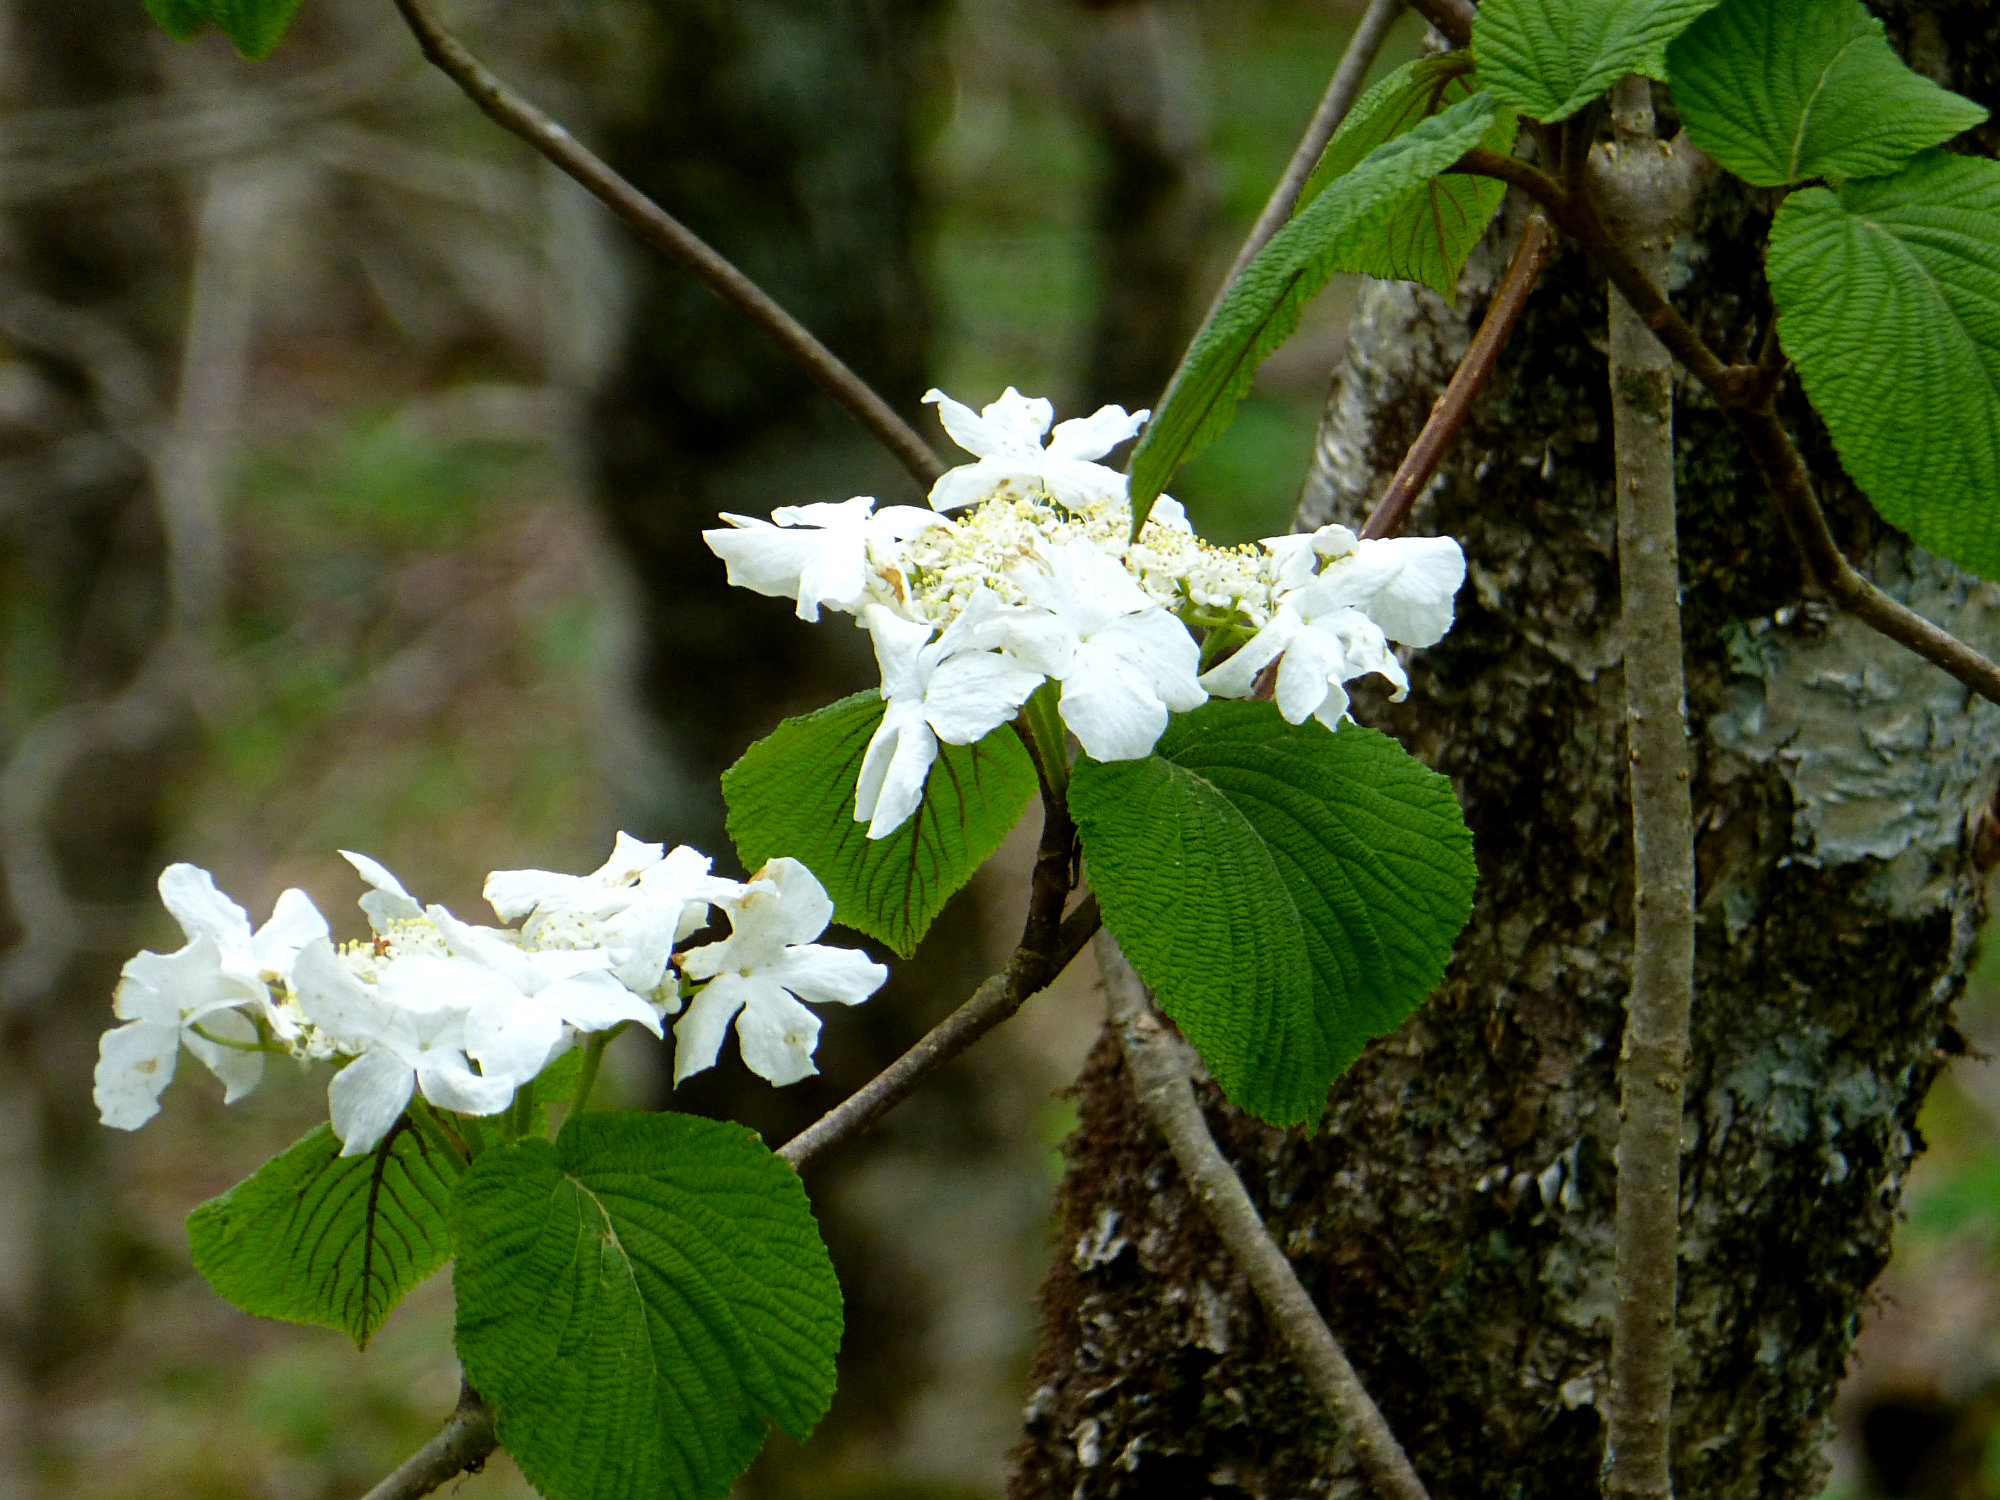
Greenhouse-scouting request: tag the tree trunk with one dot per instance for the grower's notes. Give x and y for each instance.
(1453, 1215)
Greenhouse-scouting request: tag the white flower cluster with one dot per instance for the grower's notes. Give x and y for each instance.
(1040, 580)
(466, 1015)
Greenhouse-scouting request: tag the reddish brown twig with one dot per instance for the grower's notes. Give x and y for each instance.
(1467, 381)
(1744, 391)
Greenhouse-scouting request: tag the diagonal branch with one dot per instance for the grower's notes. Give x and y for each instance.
(664, 232)
(460, 1447)
(1531, 254)
(1747, 393)
(1161, 1085)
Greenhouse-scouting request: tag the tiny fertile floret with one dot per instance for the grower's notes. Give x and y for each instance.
(1025, 571)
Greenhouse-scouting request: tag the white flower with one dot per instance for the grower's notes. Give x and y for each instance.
(763, 969)
(1404, 584)
(409, 1033)
(252, 962)
(636, 907)
(1007, 439)
(517, 1002)
(1320, 653)
(949, 689)
(1123, 660)
(816, 554)
(169, 1000)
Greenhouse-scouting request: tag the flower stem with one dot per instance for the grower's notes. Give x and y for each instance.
(520, 1117)
(593, 1059)
(1047, 738)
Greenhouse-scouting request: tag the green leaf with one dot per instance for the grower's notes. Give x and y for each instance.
(1549, 58)
(1888, 294)
(255, 26)
(1288, 892)
(793, 794)
(1263, 307)
(317, 1237)
(1779, 91)
(638, 1299)
(1429, 233)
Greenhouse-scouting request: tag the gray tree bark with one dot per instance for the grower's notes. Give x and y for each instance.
(1452, 1216)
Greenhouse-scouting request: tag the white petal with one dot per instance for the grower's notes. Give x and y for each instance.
(1314, 667)
(641, 938)
(898, 643)
(1168, 514)
(1159, 645)
(388, 902)
(514, 893)
(295, 921)
(762, 558)
(365, 1098)
(449, 1084)
(597, 1002)
(630, 859)
(1081, 486)
(1111, 708)
(1414, 605)
(1236, 676)
(168, 987)
(777, 1035)
(899, 786)
(190, 894)
(135, 1063)
(968, 484)
(975, 692)
(240, 1071)
(827, 975)
(1332, 711)
(967, 428)
(843, 515)
(800, 911)
(901, 522)
(334, 999)
(1097, 434)
(836, 575)
(513, 1042)
(1041, 641)
(1021, 420)
(698, 1034)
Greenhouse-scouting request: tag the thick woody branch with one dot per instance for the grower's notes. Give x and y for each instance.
(1746, 393)
(1165, 1095)
(1452, 18)
(1448, 415)
(1645, 187)
(460, 1447)
(664, 232)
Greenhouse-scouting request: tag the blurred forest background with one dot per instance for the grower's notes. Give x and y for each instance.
(351, 471)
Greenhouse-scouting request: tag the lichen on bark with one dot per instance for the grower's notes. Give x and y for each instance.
(1452, 1215)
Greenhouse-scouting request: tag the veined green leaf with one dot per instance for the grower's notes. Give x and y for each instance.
(793, 793)
(638, 1299)
(1549, 58)
(317, 1237)
(255, 26)
(1263, 307)
(1888, 294)
(1287, 891)
(1779, 91)
(1427, 236)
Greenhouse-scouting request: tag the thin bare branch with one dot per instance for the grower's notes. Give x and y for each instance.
(460, 1447)
(1452, 18)
(1341, 92)
(1448, 415)
(664, 232)
(1646, 190)
(1745, 392)
(1162, 1086)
